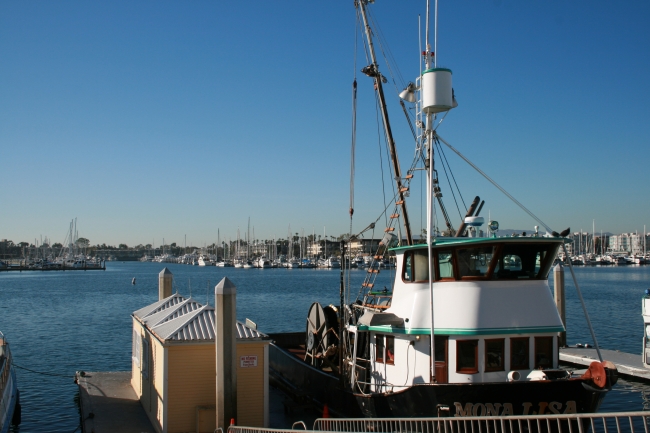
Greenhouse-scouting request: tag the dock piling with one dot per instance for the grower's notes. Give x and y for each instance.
(165, 280)
(225, 307)
(558, 282)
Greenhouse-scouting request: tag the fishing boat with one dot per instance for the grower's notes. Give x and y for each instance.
(10, 412)
(469, 326)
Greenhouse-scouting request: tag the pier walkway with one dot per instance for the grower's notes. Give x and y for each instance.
(628, 365)
(109, 404)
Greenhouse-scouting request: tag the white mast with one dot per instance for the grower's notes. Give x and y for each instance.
(429, 138)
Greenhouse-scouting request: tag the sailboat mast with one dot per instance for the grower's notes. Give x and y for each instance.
(373, 72)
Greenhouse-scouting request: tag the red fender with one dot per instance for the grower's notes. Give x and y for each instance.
(596, 372)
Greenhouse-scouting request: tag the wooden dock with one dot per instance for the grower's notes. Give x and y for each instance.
(109, 404)
(629, 365)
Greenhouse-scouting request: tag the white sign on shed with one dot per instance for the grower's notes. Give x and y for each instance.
(248, 361)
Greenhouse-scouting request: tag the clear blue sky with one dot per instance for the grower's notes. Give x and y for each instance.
(159, 119)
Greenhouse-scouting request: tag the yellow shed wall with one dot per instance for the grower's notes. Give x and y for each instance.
(191, 385)
(150, 390)
(250, 386)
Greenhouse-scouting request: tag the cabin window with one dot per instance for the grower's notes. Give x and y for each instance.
(494, 354)
(135, 348)
(416, 268)
(408, 267)
(525, 261)
(519, 354)
(474, 262)
(467, 356)
(543, 352)
(445, 265)
(390, 350)
(387, 343)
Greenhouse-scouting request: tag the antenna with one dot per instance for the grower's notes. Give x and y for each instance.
(435, 39)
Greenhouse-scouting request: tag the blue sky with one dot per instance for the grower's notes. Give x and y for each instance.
(152, 119)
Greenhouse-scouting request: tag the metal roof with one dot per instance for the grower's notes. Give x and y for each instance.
(178, 319)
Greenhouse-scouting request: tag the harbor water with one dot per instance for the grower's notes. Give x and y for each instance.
(61, 322)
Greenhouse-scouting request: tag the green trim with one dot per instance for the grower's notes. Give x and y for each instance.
(436, 69)
(445, 241)
(456, 331)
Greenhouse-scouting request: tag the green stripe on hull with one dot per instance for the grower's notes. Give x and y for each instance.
(455, 331)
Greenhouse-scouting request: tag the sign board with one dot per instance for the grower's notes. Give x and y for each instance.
(247, 361)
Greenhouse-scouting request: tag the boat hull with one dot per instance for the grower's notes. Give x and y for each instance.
(296, 377)
(510, 398)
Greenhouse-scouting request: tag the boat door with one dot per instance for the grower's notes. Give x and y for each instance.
(441, 358)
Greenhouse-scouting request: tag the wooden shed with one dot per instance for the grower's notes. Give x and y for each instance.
(174, 368)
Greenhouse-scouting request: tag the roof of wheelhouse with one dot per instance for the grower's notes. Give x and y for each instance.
(180, 319)
(440, 241)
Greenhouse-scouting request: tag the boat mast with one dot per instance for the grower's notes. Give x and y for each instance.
(429, 138)
(373, 72)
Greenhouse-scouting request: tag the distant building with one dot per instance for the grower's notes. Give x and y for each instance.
(173, 367)
(632, 243)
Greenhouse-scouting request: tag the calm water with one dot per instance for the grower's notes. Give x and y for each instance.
(61, 322)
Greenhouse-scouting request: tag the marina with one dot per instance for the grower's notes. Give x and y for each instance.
(79, 307)
(423, 320)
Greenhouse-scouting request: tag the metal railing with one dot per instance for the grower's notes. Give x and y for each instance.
(622, 422)
(618, 422)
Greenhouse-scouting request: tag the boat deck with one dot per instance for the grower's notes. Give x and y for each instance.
(629, 365)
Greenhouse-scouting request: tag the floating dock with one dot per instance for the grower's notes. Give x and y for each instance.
(629, 365)
(109, 404)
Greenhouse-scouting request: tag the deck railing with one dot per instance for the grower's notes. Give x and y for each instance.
(618, 422)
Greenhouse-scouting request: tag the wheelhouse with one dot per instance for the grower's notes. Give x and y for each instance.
(495, 319)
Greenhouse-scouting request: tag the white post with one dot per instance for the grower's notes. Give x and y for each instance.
(225, 303)
(558, 282)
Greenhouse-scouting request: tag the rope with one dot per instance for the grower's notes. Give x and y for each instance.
(40, 372)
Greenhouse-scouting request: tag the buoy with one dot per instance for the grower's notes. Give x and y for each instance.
(326, 412)
(133, 281)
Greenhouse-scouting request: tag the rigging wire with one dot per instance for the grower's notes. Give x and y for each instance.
(449, 182)
(452, 176)
(353, 148)
(489, 179)
(386, 53)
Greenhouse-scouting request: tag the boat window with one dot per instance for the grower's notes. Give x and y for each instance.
(519, 354)
(379, 348)
(494, 354)
(385, 342)
(407, 274)
(467, 356)
(445, 265)
(415, 266)
(543, 352)
(390, 350)
(525, 261)
(475, 262)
